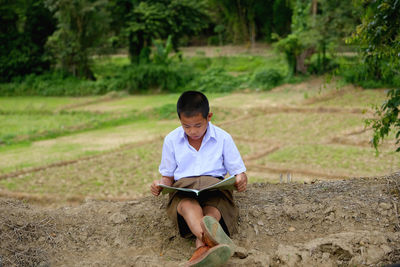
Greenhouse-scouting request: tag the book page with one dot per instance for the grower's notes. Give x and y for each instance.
(226, 184)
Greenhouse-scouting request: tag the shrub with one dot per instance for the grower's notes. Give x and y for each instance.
(129, 78)
(140, 78)
(356, 71)
(267, 79)
(319, 65)
(215, 80)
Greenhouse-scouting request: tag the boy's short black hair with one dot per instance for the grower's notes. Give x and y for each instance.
(190, 103)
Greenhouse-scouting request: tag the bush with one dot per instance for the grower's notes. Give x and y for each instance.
(143, 77)
(215, 80)
(129, 78)
(356, 71)
(318, 65)
(51, 84)
(267, 79)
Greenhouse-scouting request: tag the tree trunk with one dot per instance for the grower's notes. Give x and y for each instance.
(301, 66)
(252, 33)
(314, 8)
(135, 47)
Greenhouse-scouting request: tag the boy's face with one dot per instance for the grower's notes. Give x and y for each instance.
(195, 126)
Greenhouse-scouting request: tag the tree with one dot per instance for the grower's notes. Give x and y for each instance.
(379, 39)
(301, 43)
(146, 21)
(245, 21)
(24, 29)
(157, 19)
(81, 26)
(316, 25)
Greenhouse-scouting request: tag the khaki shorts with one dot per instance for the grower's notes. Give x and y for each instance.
(220, 199)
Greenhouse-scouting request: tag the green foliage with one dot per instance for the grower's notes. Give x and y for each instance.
(163, 73)
(388, 116)
(379, 40)
(215, 80)
(317, 27)
(24, 28)
(146, 22)
(150, 20)
(161, 53)
(318, 65)
(356, 71)
(247, 21)
(267, 79)
(52, 84)
(167, 111)
(81, 26)
(144, 77)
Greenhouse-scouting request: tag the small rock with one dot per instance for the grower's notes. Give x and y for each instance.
(260, 223)
(292, 229)
(385, 206)
(118, 218)
(325, 256)
(241, 253)
(255, 229)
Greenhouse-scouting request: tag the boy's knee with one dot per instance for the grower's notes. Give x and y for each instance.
(187, 204)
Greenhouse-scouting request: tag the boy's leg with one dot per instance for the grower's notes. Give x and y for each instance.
(192, 212)
(212, 211)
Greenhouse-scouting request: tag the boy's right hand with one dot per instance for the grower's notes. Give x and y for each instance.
(155, 188)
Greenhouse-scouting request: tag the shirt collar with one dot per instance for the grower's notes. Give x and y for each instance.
(210, 133)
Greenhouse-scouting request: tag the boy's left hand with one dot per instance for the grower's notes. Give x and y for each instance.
(241, 182)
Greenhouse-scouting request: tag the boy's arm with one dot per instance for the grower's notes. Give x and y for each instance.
(241, 182)
(156, 189)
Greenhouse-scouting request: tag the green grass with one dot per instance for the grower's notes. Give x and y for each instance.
(39, 103)
(366, 99)
(240, 63)
(81, 144)
(137, 103)
(37, 118)
(122, 173)
(298, 128)
(335, 159)
(26, 126)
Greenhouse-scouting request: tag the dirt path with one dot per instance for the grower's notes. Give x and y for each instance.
(341, 223)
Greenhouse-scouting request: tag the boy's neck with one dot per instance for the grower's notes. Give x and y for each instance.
(196, 144)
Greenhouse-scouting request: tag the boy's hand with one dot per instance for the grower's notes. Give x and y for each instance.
(156, 189)
(241, 182)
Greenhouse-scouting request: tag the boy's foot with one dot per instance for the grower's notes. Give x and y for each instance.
(209, 257)
(214, 234)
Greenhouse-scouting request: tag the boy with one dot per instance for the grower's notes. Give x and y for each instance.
(196, 155)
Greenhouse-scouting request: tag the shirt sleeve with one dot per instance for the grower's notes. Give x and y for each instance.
(168, 163)
(232, 160)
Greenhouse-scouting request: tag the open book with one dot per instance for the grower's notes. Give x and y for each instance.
(226, 184)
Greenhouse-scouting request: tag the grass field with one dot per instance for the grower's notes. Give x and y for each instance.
(110, 146)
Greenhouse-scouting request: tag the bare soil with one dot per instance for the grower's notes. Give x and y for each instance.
(351, 222)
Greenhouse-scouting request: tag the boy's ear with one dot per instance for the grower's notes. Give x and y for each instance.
(209, 116)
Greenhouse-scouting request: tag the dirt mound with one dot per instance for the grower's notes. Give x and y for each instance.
(346, 222)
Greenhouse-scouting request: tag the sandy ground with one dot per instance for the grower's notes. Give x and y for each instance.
(351, 222)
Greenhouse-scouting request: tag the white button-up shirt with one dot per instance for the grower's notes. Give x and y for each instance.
(217, 156)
